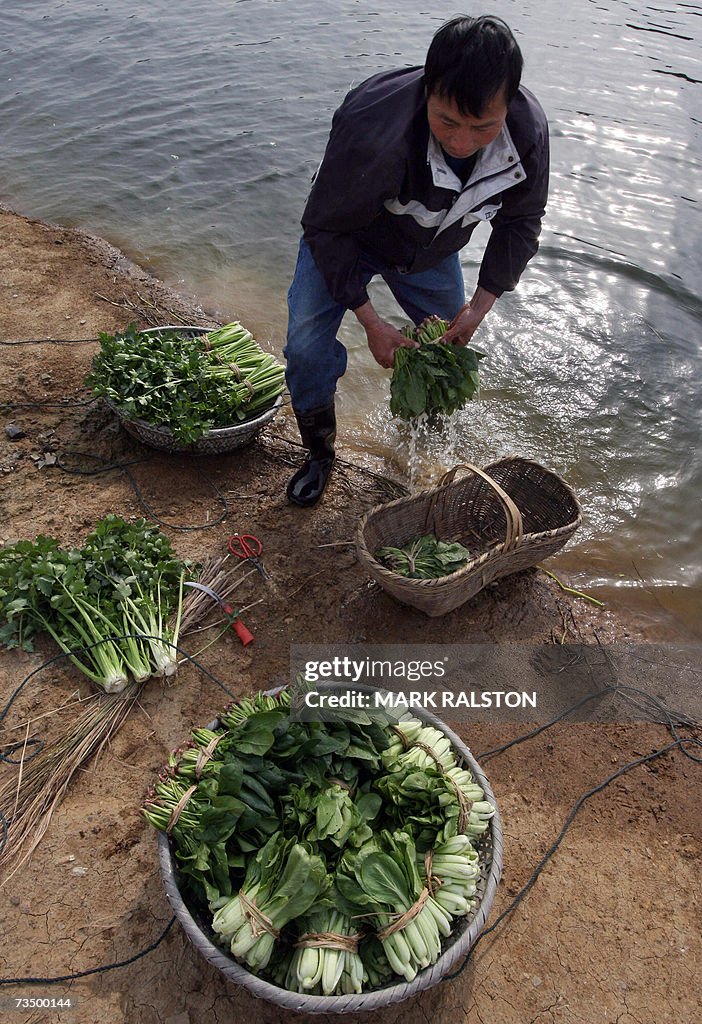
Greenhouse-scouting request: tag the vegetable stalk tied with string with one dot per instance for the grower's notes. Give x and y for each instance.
(107, 604)
(283, 882)
(382, 882)
(326, 957)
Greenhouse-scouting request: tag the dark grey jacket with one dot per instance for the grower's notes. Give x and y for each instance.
(383, 187)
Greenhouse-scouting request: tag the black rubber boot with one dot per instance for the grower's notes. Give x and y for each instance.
(318, 431)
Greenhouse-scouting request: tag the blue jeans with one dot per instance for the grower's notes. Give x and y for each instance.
(315, 356)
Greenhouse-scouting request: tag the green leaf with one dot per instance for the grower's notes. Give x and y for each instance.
(384, 881)
(256, 735)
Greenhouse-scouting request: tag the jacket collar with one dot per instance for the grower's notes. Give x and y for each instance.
(498, 167)
(500, 155)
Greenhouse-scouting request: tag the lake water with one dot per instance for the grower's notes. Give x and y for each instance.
(187, 135)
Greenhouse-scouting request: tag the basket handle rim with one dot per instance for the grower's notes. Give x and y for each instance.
(514, 532)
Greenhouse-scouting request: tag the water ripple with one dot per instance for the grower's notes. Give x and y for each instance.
(191, 142)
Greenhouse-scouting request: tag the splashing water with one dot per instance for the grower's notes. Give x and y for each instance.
(416, 429)
(433, 446)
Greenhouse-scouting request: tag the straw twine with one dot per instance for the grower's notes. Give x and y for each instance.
(205, 755)
(404, 919)
(178, 809)
(433, 883)
(465, 805)
(330, 940)
(257, 919)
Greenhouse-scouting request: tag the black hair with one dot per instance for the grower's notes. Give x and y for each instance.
(470, 59)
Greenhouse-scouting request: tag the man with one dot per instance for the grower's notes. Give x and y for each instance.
(416, 158)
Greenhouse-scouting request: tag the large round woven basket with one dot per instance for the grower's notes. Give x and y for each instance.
(214, 442)
(455, 949)
(510, 515)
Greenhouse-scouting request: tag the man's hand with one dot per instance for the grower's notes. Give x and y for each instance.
(469, 317)
(383, 338)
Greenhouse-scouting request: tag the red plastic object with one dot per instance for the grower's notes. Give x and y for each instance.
(244, 634)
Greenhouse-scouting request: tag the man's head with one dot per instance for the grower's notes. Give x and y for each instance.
(471, 74)
(472, 60)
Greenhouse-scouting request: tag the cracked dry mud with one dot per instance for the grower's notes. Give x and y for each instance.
(610, 932)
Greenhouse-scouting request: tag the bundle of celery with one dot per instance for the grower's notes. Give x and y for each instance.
(332, 857)
(190, 385)
(434, 378)
(107, 604)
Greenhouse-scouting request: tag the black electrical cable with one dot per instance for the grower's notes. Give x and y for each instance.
(93, 970)
(547, 725)
(671, 719)
(5, 755)
(107, 467)
(47, 405)
(50, 341)
(676, 744)
(4, 824)
(74, 653)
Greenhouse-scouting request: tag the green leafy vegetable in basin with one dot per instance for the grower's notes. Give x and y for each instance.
(189, 385)
(329, 857)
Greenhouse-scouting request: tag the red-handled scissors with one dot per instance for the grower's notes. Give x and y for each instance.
(248, 547)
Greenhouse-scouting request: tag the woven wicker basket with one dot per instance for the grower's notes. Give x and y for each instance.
(456, 948)
(511, 515)
(213, 442)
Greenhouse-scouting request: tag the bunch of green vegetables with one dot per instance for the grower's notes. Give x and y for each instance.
(282, 882)
(190, 385)
(435, 378)
(425, 557)
(334, 966)
(331, 857)
(107, 604)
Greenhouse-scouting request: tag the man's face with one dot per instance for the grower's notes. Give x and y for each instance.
(461, 135)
